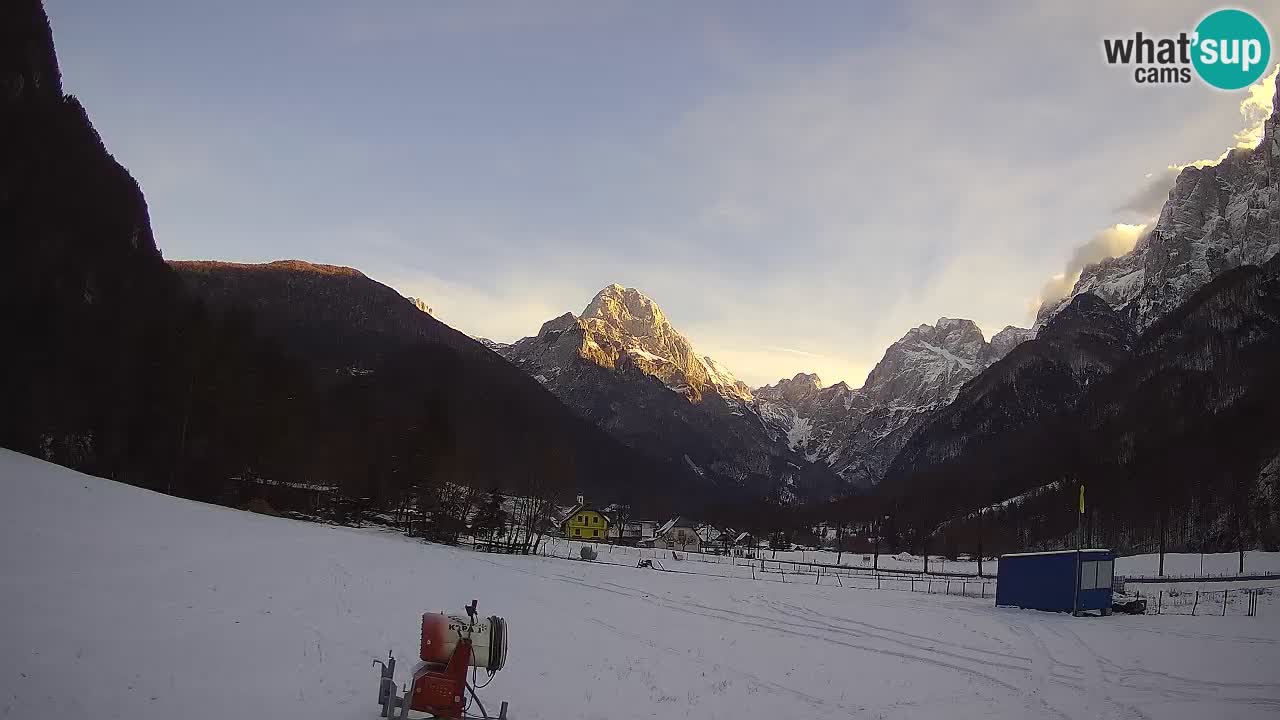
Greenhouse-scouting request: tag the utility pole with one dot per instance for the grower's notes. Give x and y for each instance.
(875, 563)
(839, 541)
(1075, 593)
(875, 559)
(980, 541)
(1160, 524)
(1239, 539)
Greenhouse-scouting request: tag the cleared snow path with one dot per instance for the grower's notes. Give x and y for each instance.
(118, 602)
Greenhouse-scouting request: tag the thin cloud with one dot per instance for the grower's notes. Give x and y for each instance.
(794, 351)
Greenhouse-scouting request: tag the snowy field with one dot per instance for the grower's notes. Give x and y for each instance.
(120, 603)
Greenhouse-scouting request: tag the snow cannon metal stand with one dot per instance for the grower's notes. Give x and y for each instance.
(450, 646)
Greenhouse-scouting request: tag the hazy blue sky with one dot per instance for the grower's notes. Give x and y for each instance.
(797, 184)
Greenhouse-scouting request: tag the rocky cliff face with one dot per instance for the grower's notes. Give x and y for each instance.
(84, 288)
(1040, 378)
(1216, 218)
(622, 365)
(857, 432)
(621, 327)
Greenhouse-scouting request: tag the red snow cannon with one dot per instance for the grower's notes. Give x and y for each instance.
(450, 646)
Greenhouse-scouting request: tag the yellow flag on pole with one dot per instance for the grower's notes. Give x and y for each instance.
(1082, 498)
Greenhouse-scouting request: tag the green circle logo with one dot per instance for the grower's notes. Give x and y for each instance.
(1231, 49)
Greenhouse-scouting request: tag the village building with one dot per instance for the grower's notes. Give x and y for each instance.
(585, 523)
(677, 534)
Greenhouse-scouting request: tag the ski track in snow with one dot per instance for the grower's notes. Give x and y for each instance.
(119, 602)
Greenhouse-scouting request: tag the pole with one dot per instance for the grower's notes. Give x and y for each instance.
(1075, 591)
(1161, 524)
(980, 542)
(839, 542)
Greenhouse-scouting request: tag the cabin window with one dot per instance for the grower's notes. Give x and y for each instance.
(1096, 574)
(1105, 569)
(1088, 575)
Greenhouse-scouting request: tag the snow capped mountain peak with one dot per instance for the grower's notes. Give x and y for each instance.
(798, 389)
(558, 324)
(857, 432)
(1007, 339)
(629, 310)
(929, 363)
(623, 327)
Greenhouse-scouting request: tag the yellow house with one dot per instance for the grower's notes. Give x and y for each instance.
(583, 523)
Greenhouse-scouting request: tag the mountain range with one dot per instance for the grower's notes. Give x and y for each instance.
(1153, 381)
(857, 432)
(622, 365)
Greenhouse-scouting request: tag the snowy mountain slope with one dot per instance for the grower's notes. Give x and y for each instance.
(119, 602)
(857, 432)
(1216, 218)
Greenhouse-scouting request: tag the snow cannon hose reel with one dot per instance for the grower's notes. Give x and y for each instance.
(450, 646)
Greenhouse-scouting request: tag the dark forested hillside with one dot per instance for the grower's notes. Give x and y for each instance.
(90, 304)
(304, 304)
(502, 425)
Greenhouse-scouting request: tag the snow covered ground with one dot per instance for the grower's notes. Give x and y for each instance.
(120, 603)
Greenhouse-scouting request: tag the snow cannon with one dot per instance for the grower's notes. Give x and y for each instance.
(450, 645)
(441, 635)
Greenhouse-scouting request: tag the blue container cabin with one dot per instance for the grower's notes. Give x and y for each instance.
(1048, 580)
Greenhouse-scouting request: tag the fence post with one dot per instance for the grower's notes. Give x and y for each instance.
(948, 587)
(877, 581)
(1225, 595)
(817, 577)
(1195, 604)
(1160, 604)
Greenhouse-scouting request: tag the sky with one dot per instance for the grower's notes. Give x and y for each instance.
(796, 185)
